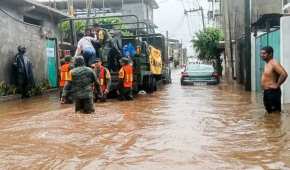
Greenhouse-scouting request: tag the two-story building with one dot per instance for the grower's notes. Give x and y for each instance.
(286, 6)
(214, 13)
(233, 23)
(143, 9)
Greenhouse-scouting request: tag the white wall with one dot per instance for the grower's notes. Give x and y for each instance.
(253, 62)
(285, 55)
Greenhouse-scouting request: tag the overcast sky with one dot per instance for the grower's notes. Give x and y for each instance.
(170, 16)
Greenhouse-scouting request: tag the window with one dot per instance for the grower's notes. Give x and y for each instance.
(32, 21)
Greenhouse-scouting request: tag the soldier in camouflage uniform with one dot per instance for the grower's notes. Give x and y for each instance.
(83, 80)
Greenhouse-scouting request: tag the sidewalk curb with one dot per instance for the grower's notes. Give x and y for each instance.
(9, 98)
(18, 96)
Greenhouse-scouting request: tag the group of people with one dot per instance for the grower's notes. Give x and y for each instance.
(85, 85)
(85, 79)
(99, 43)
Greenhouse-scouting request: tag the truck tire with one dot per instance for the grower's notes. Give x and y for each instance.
(154, 84)
(182, 83)
(149, 83)
(145, 84)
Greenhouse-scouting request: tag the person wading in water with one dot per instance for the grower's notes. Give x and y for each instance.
(273, 77)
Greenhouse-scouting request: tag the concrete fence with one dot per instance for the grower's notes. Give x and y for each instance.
(285, 54)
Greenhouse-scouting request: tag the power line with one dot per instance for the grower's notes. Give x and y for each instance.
(196, 10)
(198, 3)
(188, 22)
(181, 21)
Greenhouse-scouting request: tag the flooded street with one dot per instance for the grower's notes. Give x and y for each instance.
(178, 127)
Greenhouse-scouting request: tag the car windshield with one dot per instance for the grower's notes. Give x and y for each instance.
(199, 67)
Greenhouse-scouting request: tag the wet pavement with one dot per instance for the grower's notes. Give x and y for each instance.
(190, 127)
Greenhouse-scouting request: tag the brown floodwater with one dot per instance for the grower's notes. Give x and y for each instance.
(178, 128)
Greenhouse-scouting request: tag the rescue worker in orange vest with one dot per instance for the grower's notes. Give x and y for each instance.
(104, 78)
(125, 80)
(65, 76)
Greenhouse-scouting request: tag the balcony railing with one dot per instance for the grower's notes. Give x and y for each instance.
(286, 7)
(286, 2)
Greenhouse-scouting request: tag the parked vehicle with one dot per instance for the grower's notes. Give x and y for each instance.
(199, 74)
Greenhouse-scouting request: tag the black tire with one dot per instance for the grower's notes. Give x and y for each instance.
(150, 85)
(146, 83)
(154, 84)
(182, 83)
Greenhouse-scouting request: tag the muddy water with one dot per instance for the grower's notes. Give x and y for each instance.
(217, 127)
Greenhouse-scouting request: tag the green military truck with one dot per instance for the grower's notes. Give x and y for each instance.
(144, 78)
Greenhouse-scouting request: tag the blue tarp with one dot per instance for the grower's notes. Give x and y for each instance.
(129, 50)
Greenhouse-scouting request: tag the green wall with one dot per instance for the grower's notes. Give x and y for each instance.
(267, 39)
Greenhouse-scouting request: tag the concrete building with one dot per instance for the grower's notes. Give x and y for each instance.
(270, 28)
(35, 26)
(286, 6)
(143, 9)
(176, 52)
(214, 13)
(233, 12)
(260, 7)
(233, 28)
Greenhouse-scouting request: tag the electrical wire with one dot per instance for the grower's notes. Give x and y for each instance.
(188, 21)
(181, 21)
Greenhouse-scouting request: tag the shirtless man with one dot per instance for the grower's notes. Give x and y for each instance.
(273, 77)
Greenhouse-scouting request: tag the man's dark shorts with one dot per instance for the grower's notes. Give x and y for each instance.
(272, 100)
(85, 105)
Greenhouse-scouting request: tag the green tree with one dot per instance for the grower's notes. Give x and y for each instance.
(206, 43)
(80, 26)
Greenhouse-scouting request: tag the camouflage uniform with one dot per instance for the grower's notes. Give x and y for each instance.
(83, 79)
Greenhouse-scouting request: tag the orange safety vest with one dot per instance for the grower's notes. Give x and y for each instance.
(65, 74)
(102, 78)
(126, 73)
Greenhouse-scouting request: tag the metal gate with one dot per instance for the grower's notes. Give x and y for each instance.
(52, 62)
(267, 39)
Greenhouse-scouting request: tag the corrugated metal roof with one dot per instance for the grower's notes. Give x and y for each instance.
(38, 7)
(99, 3)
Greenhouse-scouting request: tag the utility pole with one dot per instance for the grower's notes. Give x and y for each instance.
(196, 10)
(213, 7)
(247, 48)
(167, 47)
(70, 7)
(104, 7)
(229, 27)
(203, 19)
(70, 10)
(89, 7)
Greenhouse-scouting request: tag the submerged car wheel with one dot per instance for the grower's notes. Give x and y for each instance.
(182, 83)
(149, 84)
